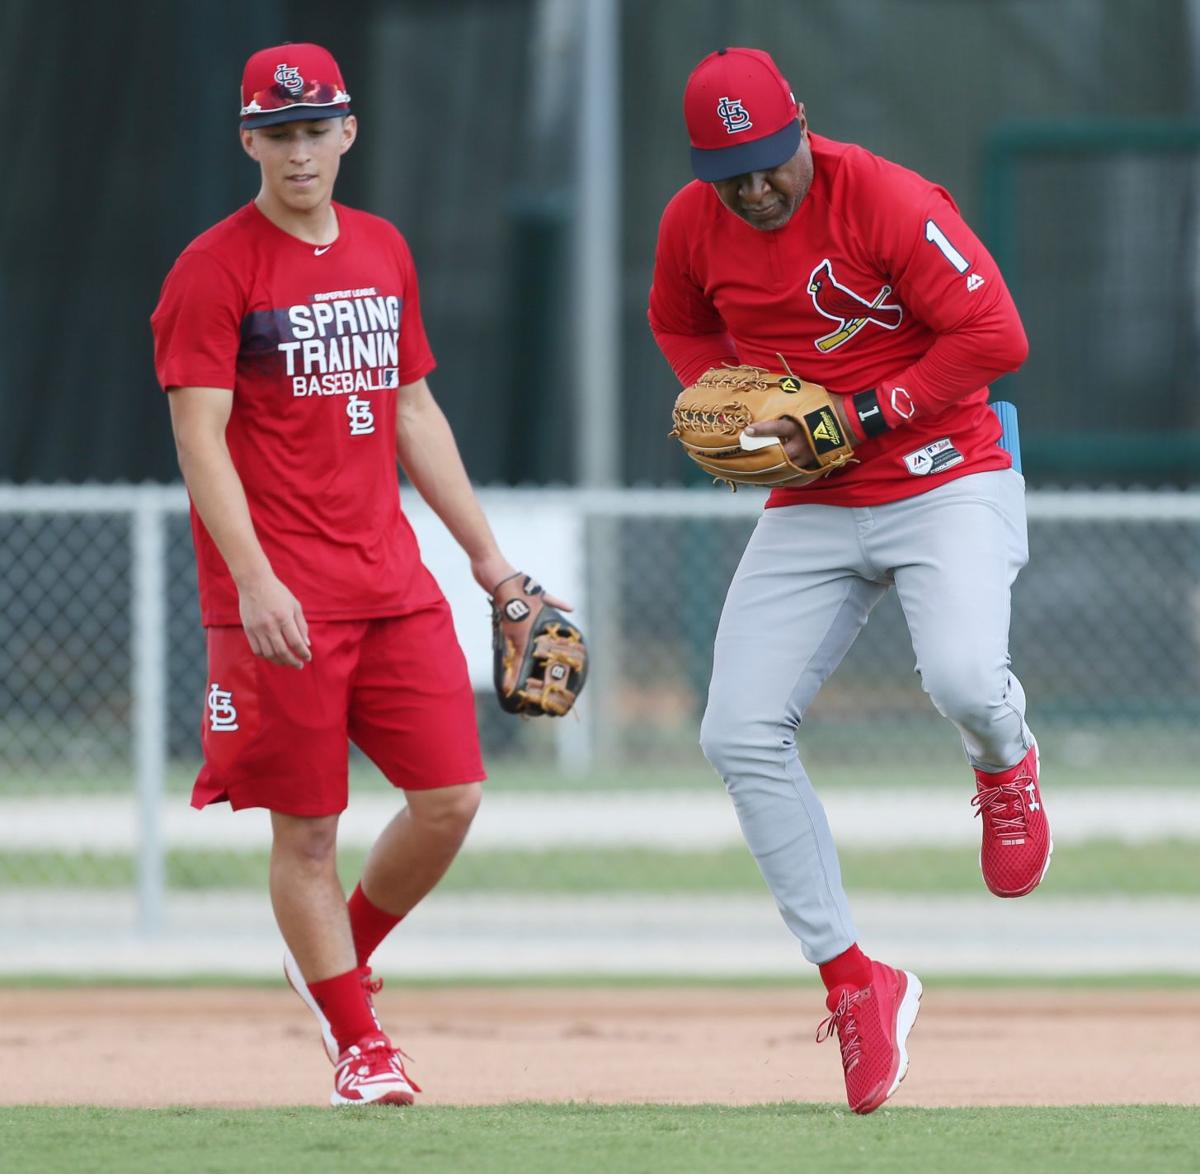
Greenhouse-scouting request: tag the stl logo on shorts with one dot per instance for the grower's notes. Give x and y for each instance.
(734, 115)
(289, 77)
(222, 716)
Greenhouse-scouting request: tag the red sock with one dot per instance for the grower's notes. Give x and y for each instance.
(369, 924)
(347, 1006)
(851, 968)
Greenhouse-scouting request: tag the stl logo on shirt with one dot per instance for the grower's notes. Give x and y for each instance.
(289, 77)
(362, 419)
(734, 115)
(222, 716)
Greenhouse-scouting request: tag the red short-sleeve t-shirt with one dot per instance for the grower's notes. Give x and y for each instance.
(314, 342)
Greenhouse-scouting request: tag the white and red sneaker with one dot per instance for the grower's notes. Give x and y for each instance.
(1017, 843)
(371, 1072)
(291, 971)
(872, 1024)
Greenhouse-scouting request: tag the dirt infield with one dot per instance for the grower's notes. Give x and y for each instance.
(249, 1048)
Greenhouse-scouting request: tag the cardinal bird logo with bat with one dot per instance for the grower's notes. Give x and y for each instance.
(850, 311)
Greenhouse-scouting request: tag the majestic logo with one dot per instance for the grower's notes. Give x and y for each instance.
(362, 419)
(734, 115)
(974, 281)
(850, 311)
(289, 77)
(222, 716)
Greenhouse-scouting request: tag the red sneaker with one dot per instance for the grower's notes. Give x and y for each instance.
(371, 1072)
(291, 971)
(1017, 843)
(873, 1023)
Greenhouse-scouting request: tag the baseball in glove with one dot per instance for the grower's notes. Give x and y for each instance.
(539, 657)
(711, 416)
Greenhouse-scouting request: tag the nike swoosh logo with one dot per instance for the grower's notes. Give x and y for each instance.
(325, 249)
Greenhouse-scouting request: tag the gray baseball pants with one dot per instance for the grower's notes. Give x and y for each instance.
(807, 581)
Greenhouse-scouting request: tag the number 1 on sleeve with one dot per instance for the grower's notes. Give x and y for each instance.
(939, 238)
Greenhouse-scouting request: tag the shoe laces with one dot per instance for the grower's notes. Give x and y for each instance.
(1003, 806)
(400, 1057)
(377, 1054)
(371, 985)
(843, 1019)
(370, 1055)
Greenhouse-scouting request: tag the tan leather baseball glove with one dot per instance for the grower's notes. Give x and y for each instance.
(711, 416)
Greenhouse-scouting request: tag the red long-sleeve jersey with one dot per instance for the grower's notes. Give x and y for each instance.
(875, 283)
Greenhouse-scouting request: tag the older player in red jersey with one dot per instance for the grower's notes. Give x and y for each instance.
(864, 278)
(289, 337)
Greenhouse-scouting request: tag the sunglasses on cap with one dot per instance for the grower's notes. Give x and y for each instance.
(279, 97)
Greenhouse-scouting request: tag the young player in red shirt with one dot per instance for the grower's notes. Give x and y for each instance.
(864, 278)
(289, 337)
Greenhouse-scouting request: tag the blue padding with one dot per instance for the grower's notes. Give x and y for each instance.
(1010, 438)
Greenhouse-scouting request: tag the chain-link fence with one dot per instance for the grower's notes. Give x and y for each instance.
(1094, 223)
(102, 678)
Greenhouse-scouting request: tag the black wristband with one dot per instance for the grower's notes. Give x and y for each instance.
(869, 414)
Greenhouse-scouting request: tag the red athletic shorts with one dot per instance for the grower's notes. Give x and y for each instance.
(279, 737)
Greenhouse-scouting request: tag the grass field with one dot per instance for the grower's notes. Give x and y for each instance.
(652, 1139)
(1092, 869)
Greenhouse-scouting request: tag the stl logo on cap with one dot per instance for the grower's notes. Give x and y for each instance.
(734, 115)
(289, 77)
(757, 125)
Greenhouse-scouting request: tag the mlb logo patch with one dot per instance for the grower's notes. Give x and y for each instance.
(933, 458)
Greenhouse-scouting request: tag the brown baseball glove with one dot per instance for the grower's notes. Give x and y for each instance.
(710, 418)
(539, 660)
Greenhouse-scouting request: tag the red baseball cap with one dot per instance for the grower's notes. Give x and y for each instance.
(740, 114)
(291, 82)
